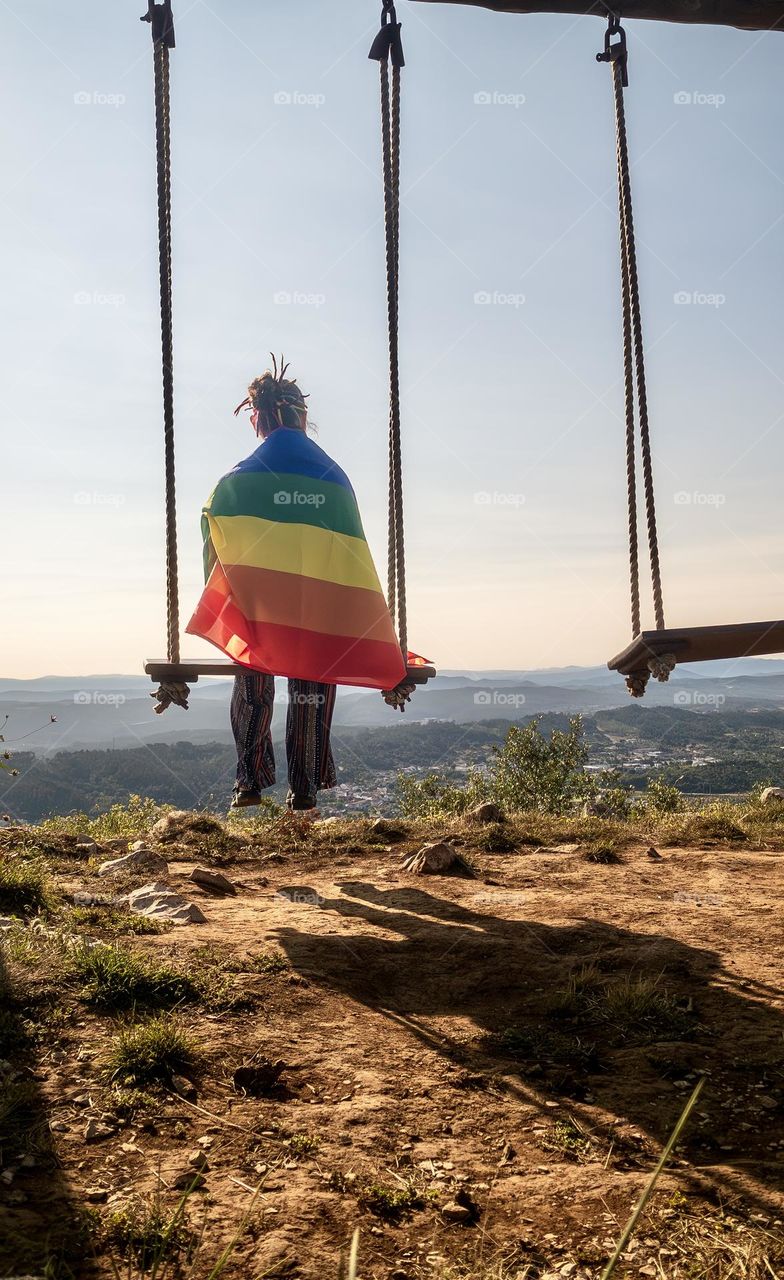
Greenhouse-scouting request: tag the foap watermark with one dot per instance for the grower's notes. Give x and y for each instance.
(301, 895)
(86, 298)
(696, 298)
(696, 98)
(498, 698)
(484, 298)
(297, 98)
(300, 699)
(94, 98)
(494, 98)
(293, 498)
(696, 899)
(689, 698)
(696, 499)
(96, 698)
(296, 298)
(495, 499)
(93, 498)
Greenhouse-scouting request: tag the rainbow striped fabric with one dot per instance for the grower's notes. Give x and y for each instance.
(291, 586)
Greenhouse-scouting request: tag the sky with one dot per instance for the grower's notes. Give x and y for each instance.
(510, 316)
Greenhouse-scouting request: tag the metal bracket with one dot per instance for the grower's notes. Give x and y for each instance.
(161, 20)
(615, 52)
(388, 42)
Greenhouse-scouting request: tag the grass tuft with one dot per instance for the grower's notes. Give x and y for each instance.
(25, 887)
(150, 1053)
(114, 978)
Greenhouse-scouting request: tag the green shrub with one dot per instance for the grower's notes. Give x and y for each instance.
(543, 774)
(432, 797)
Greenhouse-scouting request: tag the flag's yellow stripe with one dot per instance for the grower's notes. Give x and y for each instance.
(294, 548)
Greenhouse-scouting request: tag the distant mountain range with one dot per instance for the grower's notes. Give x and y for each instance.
(115, 710)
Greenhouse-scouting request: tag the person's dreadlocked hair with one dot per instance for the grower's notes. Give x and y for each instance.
(276, 399)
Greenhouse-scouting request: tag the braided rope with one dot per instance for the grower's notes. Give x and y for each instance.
(631, 291)
(396, 563)
(631, 434)
(163, 154)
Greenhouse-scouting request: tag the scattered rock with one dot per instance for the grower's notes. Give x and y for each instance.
(432, 859)
(387, 829)
(258, 1078)
(161, 902)
(463, 1209)
(119, 844)
(189, 1180)
(772, 795)
(184, 1087)
(86, 845)
(96, 1195)
(182, 825)
(198, 1160)
(654, 855)
(212, 881)
(142, 860)
(98, 1131)
(485, 812)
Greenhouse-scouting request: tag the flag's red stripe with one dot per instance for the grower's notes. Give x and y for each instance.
(288, 599)
(295, 651)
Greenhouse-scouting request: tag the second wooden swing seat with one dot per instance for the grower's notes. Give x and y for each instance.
(655, 653)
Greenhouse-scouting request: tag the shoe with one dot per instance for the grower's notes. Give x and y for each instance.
(300, 804)
(242, 799)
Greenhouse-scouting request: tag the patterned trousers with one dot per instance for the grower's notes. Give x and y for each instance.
(308, 721)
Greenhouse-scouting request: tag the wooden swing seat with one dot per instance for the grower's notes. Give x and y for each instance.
(188, 672)
(700, 644)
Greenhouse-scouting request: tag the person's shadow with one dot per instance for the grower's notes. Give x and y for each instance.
(588, 1012)
(42, 1232)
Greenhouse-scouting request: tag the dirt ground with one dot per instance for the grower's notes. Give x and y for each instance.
(445, 1088)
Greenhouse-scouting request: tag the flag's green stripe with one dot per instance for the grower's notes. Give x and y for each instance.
(288, 499)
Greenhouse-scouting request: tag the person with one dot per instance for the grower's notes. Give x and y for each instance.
(291, 590)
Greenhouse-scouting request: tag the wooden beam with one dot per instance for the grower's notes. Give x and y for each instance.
(747, 15)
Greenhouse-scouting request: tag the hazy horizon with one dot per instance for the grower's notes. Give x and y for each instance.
(510, 325)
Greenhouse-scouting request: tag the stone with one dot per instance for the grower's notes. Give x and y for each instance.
(119, 844)
(86, 845)
(189, 1180)
(212, 881)
(143, 861)
(198, 1160)
(454, 1212)
(772, 795)
(98, 1131)
(161, 902)
(654, 855)
(432, 859)
(184, 1087)
(96, 1195)
(180, 823)
(487, 811)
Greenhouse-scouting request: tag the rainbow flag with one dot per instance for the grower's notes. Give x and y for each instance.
(291, 585)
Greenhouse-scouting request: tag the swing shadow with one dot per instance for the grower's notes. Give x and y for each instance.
(451, 960)
(41, 1229)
